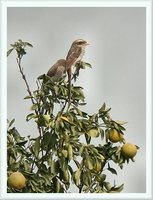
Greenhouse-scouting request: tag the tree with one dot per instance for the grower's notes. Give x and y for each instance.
(58, 156)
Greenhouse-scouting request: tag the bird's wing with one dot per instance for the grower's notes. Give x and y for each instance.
(53, 70)
(72, 57)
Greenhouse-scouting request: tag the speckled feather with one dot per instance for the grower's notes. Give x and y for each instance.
(75, 54)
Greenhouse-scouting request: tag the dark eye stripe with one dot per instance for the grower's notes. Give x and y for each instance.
(81, 42)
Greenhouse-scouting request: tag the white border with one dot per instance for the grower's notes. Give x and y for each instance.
(3, 95)
(76, 3)
(149, 107)
(3, 98)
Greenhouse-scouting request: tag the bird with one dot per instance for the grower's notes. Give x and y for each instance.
(57, 70)
(75, 54)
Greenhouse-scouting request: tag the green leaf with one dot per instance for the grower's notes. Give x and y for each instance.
(82, 104)
(28, 97)
(103, 110)
(116, 126)
(22, 143)
(89, 163)
(30, 116)
(66, 175)
(79, 112)
(87, 64)
(66, 137)
(116, 189)
(107, 110)
(81, 65)
(56, 89)
(33, 187)
(36, 147)
(94, 150)
(101, 131)
(11, 122)
(107, 135)
(102, 178)
(58, 186)
(76, 177)
(77, 163)
(46, 140)
(42, 77)
(120, 122)
(54, 167)
(28, 44)
(20, 42)
(47, 118)
(77, 93)
(103, 107)
(26, 166)
(16, 135)
(53, 141)
(34, 107)
(21, 51)
(65, 153)
(9, 51)
(65, 119)
(108, 186)
(41, 121)
(113, 171)
(12, 153)
(88, 138)
(70, 151)
(87, 179)
(81, 150)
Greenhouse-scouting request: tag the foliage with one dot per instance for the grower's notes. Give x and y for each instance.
(63, 153)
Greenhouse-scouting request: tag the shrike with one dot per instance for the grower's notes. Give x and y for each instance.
(74, 55)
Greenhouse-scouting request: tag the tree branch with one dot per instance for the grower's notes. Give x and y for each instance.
(29, 91)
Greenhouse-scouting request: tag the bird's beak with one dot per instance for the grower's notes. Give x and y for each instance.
(87, 43)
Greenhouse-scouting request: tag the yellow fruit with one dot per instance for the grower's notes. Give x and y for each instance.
(115, 136)
(17, 180)
(129, 150)
(93, 132)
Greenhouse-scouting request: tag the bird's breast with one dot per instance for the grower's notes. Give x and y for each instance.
(81, 54)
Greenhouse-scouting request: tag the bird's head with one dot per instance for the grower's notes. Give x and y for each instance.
(80, 43)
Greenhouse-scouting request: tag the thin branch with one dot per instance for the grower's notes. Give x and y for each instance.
(80, 187)
(29, 91)
(24, 78)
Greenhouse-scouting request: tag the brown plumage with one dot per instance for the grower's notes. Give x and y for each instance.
(57, 70)
(74, 55)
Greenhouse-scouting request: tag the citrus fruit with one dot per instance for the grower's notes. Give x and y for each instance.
(115, 136)
(93, 132)
(17, 180)
(129, 150)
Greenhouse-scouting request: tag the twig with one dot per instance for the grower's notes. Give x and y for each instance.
(29, 91)
(80, 187)
(24, 78)
(66, 101)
